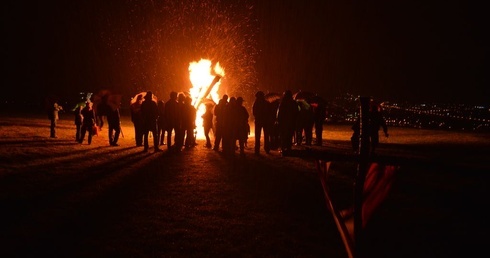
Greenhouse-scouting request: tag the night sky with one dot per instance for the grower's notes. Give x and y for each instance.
(417, 51)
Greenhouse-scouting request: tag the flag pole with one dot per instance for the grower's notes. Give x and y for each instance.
(361, 175)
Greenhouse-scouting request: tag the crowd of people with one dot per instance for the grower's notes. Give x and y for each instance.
(283, 123)
(278, 124)
(287, 121)
(173, 123)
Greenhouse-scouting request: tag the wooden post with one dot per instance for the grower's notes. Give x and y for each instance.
(208, 90)
(361, 175)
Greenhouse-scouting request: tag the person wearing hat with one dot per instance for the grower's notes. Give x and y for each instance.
(149, 114)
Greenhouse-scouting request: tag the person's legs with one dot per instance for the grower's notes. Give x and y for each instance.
(155, 139)
(138, 134)
(218, 138)
(258, 135)
(308, 134)
(241, 143)
(161, 135)
(101, 121)
(90, 133)
(117, 132)
(53, 128)
(206, 134)
(319, 132)
(169, 138)
(190, 141)
(267, 144)
(110, 133)
(82, 133)
(299, 136)
(179, 138)
(283, 139)
(145, 140)
(78, 132)
(286, 138)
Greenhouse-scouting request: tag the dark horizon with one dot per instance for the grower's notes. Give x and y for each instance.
(416, 52)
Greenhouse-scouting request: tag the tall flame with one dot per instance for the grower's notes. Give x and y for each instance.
(202, 74)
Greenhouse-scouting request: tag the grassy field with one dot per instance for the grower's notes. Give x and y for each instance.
(436, 206)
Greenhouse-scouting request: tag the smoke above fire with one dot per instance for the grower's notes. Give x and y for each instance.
(153, 41)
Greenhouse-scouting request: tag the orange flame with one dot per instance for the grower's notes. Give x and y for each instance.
(201, 75)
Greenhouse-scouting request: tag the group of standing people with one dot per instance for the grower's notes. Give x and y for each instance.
(88, 120)
(285, 121)
(175, 117)
(84, 119)
(231, 125)
(173, 123)
(144, 115)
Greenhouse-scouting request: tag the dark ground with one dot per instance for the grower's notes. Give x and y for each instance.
(62, 199)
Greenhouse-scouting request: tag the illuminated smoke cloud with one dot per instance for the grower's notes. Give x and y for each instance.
(156, 41)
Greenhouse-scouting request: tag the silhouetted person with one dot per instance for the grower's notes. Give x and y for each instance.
(287, 114)
(376, 122)
(102, 110)
(319, 115)
(172, 118)
(260, 111)
(241, 124)
(275, 139)
(189, 122)
(137, 120)
(304, 123)
(77, 112)
(229, 127)
(89, 122)
(114, 121)
(179, 129)
(53, 118)
(149, 113)
(207, 123)
(161, 122)
(219, 111)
